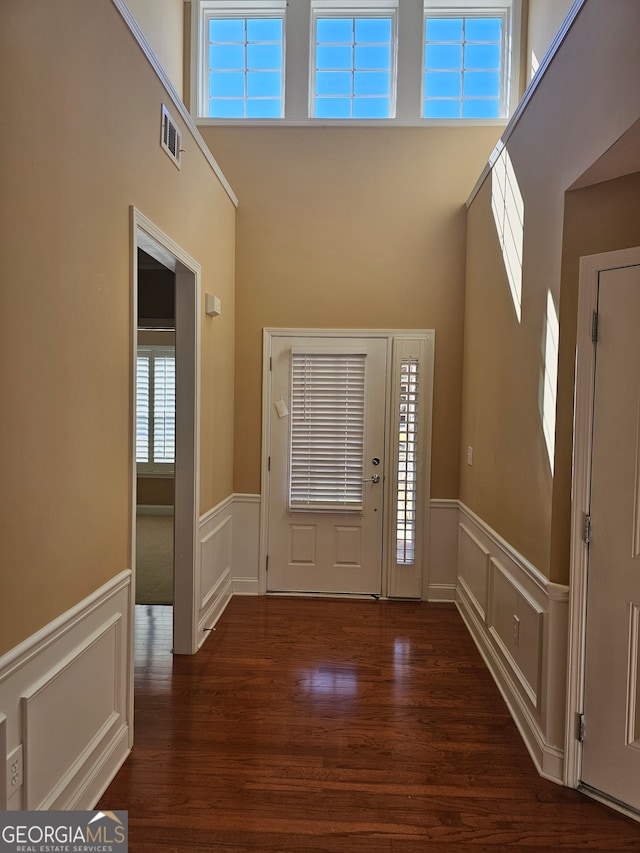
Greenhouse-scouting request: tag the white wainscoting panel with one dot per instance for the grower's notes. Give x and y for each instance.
(246, 544)
(519, 621)
(473, 571)
(443, 550)
(66, 698)
(213, 568)
(516, 626)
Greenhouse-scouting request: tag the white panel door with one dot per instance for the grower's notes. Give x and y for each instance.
(327, 442)
(611, 749)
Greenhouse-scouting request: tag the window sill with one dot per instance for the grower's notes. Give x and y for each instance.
(324, 123)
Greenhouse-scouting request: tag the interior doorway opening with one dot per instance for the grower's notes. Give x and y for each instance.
(155, 433)
(177, 276)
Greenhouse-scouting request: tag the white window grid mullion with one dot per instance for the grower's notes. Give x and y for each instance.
(353, 66)
(245, 75)
(463, 72)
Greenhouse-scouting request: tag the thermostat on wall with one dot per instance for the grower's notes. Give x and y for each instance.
(212, 305)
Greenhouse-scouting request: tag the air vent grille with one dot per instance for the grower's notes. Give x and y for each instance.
(170, 137)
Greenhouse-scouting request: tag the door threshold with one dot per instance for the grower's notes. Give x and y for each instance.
(363, 596)
(606, 800)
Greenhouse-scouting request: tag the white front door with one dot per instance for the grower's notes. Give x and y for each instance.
(326, 463)
(611, 749)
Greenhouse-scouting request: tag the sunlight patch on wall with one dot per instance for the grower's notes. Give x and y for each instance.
(508, 212)
(535, 64)
(549, 377)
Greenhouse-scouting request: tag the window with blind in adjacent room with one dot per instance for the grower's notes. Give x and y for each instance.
(155, 410)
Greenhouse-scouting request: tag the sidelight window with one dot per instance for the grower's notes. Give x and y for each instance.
(407, 463)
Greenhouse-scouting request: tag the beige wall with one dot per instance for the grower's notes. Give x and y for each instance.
(351, 227)
(155, 491)
(84, 146)
(588, 98)
(162, 22)
(545, 17)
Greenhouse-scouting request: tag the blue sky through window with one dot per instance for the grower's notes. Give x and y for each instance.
(463, 67)
(245, 67)
(353, 67)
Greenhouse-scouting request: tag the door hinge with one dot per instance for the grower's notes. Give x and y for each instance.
(581, 728)
(267, 563)
(268, 463)
(586, 529)
(594, 327)
(270, 363)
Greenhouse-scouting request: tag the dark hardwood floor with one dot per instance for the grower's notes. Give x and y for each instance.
(332, 725)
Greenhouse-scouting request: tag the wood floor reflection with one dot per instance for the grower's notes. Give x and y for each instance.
(332, 725)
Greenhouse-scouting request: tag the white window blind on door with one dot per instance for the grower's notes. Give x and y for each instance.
(327, 431)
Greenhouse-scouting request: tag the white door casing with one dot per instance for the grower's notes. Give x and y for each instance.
(149, 237)
(329, 548)
(404, 551)
(603, 674)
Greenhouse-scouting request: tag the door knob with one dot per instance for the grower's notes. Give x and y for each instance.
(374, 479)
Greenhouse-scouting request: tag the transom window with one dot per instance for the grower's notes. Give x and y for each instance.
(354, 64)
(245, 61)
(314, 61)
(465, 73)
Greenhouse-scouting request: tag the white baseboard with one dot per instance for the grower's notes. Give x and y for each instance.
(229, 552)
(246, 586)
(443, 550)
(213, 566)
(518, 620)
(246, 544)
(443, 592)
(81, 660)
(154, 509)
